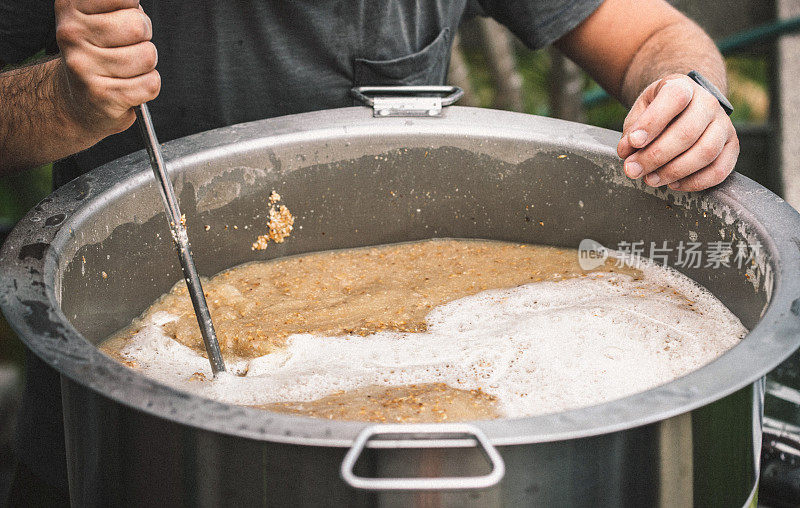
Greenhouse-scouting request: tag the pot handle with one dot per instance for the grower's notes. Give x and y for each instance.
(407, 100)
(440, 435)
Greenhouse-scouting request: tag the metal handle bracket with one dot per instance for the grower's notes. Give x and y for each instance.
(407, 100)
(443, 436)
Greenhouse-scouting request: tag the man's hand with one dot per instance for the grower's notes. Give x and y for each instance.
(57, 107)
(677, 134)
(108, 62)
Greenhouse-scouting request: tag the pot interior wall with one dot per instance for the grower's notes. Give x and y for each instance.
(367, 191)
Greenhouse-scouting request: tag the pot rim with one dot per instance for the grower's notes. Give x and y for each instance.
(30, 298)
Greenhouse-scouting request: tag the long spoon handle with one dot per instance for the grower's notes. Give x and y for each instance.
(178, 230)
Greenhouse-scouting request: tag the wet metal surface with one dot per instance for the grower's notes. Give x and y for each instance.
(354, 180)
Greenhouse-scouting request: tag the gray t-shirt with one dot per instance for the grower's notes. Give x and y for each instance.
(226, 62)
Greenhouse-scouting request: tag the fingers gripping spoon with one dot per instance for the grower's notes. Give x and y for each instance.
(178, 230)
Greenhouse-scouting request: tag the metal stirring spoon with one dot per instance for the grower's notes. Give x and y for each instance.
(178, 230)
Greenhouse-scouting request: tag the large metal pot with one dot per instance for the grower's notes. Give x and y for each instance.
(95, 253)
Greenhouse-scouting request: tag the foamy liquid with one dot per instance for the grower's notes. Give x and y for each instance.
(539, 348)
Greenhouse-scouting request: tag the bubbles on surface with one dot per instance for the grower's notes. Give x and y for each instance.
(539, 348)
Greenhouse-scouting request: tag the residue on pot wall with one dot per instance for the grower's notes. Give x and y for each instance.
(280, 225)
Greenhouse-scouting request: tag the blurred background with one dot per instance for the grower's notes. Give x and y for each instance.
(761, 45)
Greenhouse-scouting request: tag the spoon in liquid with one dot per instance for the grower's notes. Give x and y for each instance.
(178, 230)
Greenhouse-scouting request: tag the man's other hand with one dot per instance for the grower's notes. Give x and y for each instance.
(107, 62)
(677, 134)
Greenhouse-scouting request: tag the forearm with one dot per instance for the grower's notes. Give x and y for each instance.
(677, 48)
(37, 123)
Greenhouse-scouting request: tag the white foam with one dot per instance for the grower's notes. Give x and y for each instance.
(540, 348)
